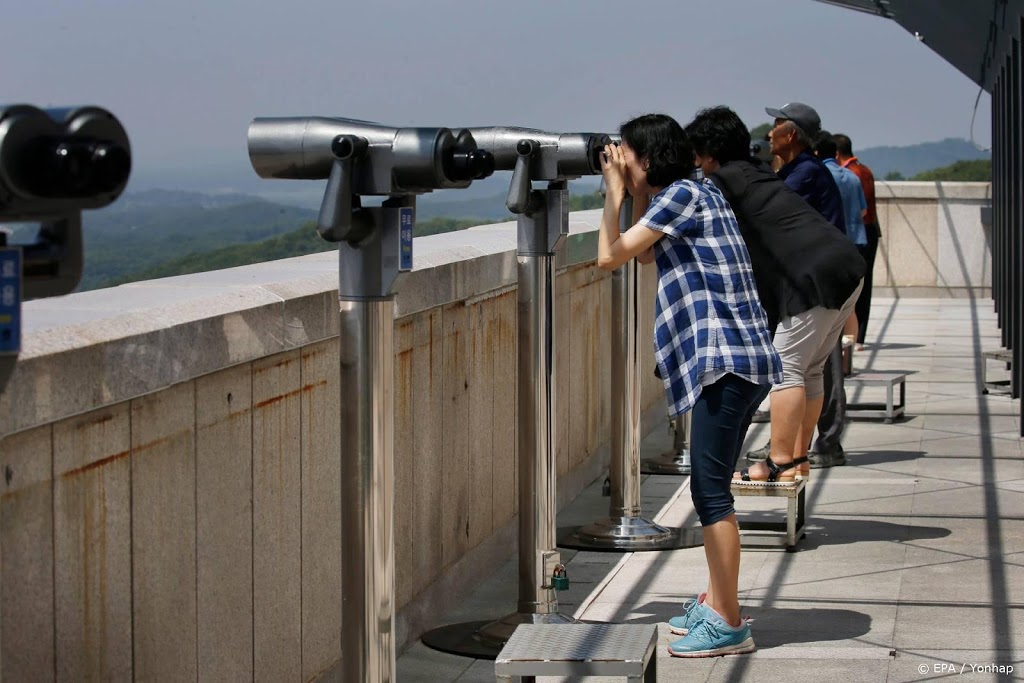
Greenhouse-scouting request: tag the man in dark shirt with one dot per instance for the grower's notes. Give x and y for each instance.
(791, 140)
(792, 137)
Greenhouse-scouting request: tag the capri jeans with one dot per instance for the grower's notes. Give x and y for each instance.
(715, 441)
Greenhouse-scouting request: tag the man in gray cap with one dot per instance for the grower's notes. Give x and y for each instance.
(791, 139)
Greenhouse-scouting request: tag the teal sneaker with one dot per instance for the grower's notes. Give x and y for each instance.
(694, 610)
(712, 637)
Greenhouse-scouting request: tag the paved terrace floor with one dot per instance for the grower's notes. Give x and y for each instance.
(914, 556)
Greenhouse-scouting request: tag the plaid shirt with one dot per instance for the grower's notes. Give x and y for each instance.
(709, 321)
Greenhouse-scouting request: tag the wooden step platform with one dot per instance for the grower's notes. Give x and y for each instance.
(774, 534)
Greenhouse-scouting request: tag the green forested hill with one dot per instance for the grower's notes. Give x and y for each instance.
(303, 240)
(141, 231)
(162, 233)
(979, 170)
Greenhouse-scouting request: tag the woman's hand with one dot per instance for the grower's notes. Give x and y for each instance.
(613, 167)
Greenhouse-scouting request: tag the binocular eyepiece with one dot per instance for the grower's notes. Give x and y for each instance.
(463, 163)
(555, 156)
(472, 164)
(392, 160)
(54, 162)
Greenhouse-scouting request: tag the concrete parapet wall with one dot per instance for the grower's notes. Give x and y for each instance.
(933, 240)
(170, 506)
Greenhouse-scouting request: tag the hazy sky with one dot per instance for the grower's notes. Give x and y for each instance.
(187, 77)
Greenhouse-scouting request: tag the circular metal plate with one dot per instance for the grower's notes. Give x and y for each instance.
(484, 639)
(673, 462)
(628, 534)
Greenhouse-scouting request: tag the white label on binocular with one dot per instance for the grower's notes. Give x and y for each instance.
(405, 236)
(10, 300)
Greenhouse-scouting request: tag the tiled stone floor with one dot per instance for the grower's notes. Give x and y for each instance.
(914, 559)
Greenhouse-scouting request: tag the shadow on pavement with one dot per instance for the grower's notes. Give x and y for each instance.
(774, 626)
(825, 531)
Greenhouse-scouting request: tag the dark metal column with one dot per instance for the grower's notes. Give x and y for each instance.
(1013, 140)
(999, 142)
(1017, 154)
(997, 233)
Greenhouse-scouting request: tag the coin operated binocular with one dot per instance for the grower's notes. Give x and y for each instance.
(761, 149)
(359, 158)
(53, 165)
(374, 246)
(536, 155)
(542, 224)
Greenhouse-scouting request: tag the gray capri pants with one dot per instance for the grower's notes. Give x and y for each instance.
(804, 342)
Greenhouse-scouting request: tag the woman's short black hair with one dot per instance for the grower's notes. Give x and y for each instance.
(718, 132)
(661, 142)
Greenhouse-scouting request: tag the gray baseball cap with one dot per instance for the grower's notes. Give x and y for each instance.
(802, 115)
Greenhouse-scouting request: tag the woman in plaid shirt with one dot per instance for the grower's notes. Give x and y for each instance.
(711, 343)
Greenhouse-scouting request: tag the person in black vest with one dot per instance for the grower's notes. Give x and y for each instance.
(808, 276)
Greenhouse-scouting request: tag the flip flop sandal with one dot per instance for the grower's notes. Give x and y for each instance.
(774, 473)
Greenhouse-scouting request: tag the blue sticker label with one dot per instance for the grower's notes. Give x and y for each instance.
(10, 300)
(406, 221)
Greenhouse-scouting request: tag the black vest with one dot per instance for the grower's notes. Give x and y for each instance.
(799, 259)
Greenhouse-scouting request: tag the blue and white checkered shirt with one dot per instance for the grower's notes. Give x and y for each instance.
(709, 320)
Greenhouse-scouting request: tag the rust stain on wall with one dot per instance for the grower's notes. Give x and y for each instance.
(404, 381)
(279, 364)
(296, 392)
(430, 338)
(107, 417)
(103, 462)
(232, 415)
(306, 355)
(93, 554)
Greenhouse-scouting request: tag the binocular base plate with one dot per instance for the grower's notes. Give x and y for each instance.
(673, 462)
(485, 639)
(628, 535)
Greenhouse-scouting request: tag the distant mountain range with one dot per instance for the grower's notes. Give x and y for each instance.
(913, 159)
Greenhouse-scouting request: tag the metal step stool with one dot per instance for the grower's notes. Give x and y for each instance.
(999, 386)
(579, 650)
(774, 534)
(888, 410)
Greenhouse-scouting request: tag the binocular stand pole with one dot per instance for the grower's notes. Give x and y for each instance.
(540, 232)
(625, 529)
(677, 459)
(366, 342)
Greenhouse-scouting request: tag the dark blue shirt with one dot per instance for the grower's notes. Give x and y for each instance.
(812, 180)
